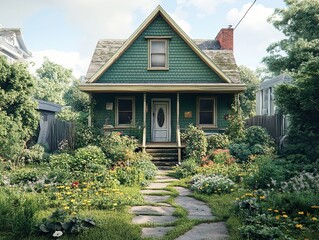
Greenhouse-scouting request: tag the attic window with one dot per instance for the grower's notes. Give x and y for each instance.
(158, 54)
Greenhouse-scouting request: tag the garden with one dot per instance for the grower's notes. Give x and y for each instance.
(259, 194)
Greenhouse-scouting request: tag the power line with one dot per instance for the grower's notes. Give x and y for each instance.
(245, 14)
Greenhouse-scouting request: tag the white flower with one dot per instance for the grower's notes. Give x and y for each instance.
(57, 234)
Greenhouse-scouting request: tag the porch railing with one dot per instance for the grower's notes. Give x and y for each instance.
(179, 145)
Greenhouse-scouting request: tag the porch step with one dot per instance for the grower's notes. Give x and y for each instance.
(163, 156)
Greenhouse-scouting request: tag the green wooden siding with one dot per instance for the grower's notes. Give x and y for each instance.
(184, 65)
(188, 103)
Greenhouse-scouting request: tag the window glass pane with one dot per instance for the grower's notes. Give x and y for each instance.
(206, 104)
(158, 47)
(125, 105)
(158, 60)
(125, 117)
(206, 118)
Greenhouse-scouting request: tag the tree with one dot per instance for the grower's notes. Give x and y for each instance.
(18, 115)
(248, 98)
(52, 81)
(298, 55)
(299, 22)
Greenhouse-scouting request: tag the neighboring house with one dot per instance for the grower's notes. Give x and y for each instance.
(12, 45)
(47, 112)
(160, 81)
(265, 104)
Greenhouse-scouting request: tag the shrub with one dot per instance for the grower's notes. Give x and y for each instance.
(17, 211)
(129, 175)
(34, 154)
(144, 164)
(212, 184)
(85, 135)
(195, 142)
(89, 159)
(216, 141)
(117, 147)
(267, 175)
(304, 181)
(61, 161)
(187, 168)
(24, 175)
(240, 151)
(222, 156)
(257, 135)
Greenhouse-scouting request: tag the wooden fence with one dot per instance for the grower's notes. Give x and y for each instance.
(273, 124)
(59, 133)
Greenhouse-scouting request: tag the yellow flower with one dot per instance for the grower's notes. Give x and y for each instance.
(276, 210)
(73, 213)
(69, 193)
(301, 213)
(284, 216)
(85, 189)
(269, 209)
(248, 194)
(114, 204)
(314, 219)
(298, 226)
(72, 200)
(67, 188)
(314, 206)
(262, 197)
(277, 217)
(66, 208)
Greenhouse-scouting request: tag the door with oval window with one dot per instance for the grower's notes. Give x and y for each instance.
(161, 122)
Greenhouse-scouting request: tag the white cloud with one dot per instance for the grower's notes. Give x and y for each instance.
(179, 17)
(205, 6)
(69, 60)
(254, 34)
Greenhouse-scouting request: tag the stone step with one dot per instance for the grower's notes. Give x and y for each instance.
(161, 150)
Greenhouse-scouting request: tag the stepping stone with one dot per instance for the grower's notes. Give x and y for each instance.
(156, 232)
(196, 209)
(163, 177)
(155, 199)
(163, 172)
(206, 231)
(152, 210)
(183, 191)
(143, 219)
(165, 180)
(155, 185)
(157, 191)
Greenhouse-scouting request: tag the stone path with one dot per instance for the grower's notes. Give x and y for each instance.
(159, 213)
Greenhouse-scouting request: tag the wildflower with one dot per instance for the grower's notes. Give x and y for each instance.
(284, 216)
(69, 193)
(73, 213)
(75, 184)
(277, 217)
(85, 189)
(269, 209)
(262, 197)
(314, 219)
(67, 188)
(66, 207)
(316, 207)
(248, 194)
(298, 226)
(301, 213)
(276, 210)
(72, 200)
(57, 234)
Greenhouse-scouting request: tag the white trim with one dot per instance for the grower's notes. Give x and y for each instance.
(117, 125)
(169, 119)
(214, 125)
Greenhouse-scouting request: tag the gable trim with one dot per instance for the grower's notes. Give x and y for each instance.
(159, 11)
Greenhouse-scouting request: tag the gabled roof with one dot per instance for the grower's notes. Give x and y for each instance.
(108, 51)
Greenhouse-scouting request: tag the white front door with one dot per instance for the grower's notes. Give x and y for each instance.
(161, 121)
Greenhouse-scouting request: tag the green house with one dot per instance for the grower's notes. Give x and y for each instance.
(157, 82)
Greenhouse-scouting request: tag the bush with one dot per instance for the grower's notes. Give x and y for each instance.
(212, 184)
(61, 161)
(144, 164)
(89, 159)
(268, 174)
(257, 135)
(195, 142)
(24, 175)
(117, 147)
(304, 181)
(85, 135)
(129, 175)
(34, 154)
(222, 156)
(17, 213)
(187, 168)
(241, 151)
(216, 141)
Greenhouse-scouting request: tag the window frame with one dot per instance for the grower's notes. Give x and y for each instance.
(117, 112)
(150, 53)
(214, 125)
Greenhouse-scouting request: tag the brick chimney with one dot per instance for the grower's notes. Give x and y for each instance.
(226, 38)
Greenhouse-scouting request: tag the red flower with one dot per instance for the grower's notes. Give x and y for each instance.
(75, 184)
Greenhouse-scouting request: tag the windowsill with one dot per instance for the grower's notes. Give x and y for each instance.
(158, 69)
(123, 126)
(207, 126)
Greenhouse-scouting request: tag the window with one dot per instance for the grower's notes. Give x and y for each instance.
(158, 54)
(125, 113)
(206, 112)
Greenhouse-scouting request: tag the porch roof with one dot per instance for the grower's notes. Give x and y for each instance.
(162, 87)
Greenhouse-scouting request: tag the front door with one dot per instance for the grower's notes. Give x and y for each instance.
(161, 121)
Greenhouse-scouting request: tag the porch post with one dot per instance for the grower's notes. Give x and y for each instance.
(178, 130)
(90, 111)
(144, 122)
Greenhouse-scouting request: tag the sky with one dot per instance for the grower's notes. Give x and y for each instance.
(66, 31)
